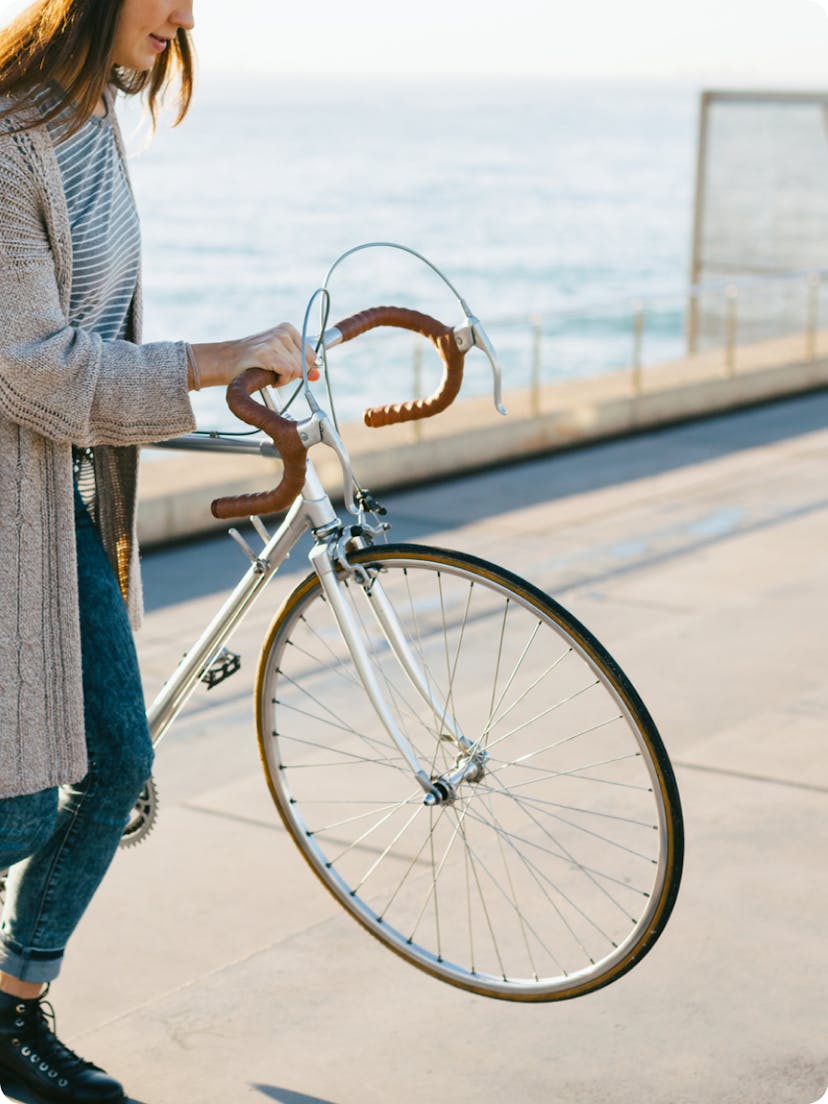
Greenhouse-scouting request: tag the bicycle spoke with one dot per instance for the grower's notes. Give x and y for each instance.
(338, 666)
(545, 870)
(541, 879)
(374, 828)
(542, 803)
(574, 772)
(567, 859)
(499, 658)
(516, 668)
(391, 761)
(541, 678)
(483, 902)
(426, 842)
(565, 740)
(513, 893)
(435, 875)
(513, 905)
(373, 811)
(544, 713)
(590, 872)
(451, 669)
(436, 894)
(430, 682)
(385, 744)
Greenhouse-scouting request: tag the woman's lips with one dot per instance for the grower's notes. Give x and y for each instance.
(160, 44)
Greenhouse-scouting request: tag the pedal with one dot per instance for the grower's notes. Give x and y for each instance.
(223, 666)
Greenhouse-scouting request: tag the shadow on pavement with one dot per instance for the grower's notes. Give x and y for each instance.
(169, 576)
(288, 1096)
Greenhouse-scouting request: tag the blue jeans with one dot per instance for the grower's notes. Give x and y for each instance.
(58, 843)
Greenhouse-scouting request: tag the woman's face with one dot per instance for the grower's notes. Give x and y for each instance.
(145, 29)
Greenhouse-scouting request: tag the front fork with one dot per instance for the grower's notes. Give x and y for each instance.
(329, 561)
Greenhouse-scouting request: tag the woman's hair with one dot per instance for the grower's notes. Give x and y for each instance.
(70, 42)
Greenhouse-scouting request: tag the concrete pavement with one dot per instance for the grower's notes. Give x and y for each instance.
(212, 968)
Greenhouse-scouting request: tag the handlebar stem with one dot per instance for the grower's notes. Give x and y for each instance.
(318, 429)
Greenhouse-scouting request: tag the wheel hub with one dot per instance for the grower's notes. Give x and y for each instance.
(469, 768)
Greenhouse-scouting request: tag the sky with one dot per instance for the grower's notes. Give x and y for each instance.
(712, 42)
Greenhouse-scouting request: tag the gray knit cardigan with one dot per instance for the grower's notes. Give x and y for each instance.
(60, 386)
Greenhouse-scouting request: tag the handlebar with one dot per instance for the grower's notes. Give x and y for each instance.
(443, 339)
(284, 432)
(286, 440)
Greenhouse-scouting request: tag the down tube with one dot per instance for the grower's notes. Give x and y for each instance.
(176, 692)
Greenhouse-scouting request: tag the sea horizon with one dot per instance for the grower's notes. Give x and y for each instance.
(563, 201)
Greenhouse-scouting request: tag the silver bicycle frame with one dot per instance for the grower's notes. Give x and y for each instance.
(311, 510)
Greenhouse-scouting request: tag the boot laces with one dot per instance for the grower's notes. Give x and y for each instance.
(49, 1048)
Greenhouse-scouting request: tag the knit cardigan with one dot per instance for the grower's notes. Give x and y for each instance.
(59, 386)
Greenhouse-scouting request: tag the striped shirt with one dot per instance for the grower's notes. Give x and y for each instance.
(106, 241)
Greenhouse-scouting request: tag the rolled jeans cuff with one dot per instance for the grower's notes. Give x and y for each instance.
(29, 963)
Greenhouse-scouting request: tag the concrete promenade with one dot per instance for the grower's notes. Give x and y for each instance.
(212, 969)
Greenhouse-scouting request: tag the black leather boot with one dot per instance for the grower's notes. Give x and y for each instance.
(32, 1054)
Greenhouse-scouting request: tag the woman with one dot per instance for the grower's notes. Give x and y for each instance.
(78, 394)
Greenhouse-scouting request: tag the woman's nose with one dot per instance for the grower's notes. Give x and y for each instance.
(182, 16)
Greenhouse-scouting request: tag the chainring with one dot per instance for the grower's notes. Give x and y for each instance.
(142, 818)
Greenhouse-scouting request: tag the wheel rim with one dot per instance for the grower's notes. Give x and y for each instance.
(550, 874)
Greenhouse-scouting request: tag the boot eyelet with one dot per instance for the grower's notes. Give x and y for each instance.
(26, 1051)
(53, 1073)
(15, 1042)
(20, 1008)
(44, 1066)
(19, 1023)
(63, 1082)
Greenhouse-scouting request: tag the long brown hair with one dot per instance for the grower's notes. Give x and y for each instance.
(70, 42)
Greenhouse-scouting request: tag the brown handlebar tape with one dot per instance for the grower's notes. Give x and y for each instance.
(285, 437)
(283, 431)
(442, 337)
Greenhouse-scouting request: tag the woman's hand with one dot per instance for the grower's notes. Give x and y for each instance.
(278, 350)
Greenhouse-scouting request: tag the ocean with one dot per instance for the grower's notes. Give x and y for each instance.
(559, 202)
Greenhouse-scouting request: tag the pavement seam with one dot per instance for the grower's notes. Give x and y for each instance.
(237, 817)
(746, 777)
(658, 558)
(201, 978)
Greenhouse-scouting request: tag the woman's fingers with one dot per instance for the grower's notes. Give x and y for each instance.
(280, 350)
(277, 350)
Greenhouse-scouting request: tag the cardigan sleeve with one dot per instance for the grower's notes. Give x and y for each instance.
(63, 382)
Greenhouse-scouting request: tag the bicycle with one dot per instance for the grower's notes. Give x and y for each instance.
(461, 763)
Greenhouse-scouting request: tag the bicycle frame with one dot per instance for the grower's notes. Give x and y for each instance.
(312, 510)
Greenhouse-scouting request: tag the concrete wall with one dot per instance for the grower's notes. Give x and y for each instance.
(177, 488)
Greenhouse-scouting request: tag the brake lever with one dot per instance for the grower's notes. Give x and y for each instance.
(471, 335)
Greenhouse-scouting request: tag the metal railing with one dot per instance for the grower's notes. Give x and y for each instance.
(627, 335)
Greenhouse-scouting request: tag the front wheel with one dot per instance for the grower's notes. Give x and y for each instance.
(555, 866)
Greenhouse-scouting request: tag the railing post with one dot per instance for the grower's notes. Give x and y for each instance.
(731, 324)
(813, 317)
(417, 365)
(638, 344)
(535, 377)
(692, 320)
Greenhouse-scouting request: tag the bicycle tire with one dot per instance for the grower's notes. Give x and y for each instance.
(565, 857)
